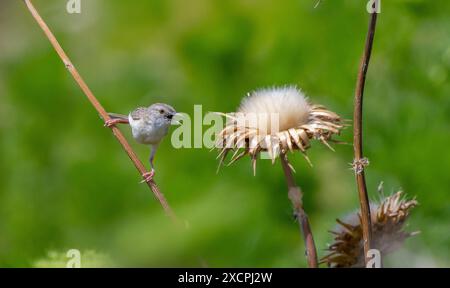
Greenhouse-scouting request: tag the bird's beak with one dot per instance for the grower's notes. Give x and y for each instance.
(175, 119)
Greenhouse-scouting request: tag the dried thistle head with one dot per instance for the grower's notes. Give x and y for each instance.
(275, 120)
(388, 219)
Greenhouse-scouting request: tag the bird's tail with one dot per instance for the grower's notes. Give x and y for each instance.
(118, 116)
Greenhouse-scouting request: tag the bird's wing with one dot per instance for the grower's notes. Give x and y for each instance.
(118, 116)
(138, 113)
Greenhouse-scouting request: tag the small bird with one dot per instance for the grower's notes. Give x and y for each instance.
(149, 125)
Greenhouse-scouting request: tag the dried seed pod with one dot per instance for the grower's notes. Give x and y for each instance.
(388, 219)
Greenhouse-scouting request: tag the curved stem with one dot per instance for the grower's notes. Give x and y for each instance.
(295, 195)
(359, 160)
(125, 145)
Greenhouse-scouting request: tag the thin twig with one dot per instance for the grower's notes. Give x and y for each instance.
(295, 195)
(359, 160)
(126, 146)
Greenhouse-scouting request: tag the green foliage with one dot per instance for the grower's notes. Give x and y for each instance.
(65, 182)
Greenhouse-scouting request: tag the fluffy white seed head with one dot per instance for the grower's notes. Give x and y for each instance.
(275, 108)
(275, 120)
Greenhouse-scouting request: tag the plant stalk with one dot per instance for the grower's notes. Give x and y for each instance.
(295, 195)
(84, 87)
(359, 160)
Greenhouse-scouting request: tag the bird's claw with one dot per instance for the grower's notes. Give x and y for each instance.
(148, 176)
(111, 122)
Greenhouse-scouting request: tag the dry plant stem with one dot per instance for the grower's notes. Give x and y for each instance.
(126, 146)
(295, 195)
(358, 137)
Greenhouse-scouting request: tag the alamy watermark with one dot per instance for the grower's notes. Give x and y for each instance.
(190, 134)
(73, 6)
(375, 258)
(74, 256)
(373, 6)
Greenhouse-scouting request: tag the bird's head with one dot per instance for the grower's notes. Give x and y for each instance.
(162, 111)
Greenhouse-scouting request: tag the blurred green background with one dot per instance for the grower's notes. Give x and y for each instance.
(66, 183)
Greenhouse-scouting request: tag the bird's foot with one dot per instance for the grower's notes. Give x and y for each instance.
(148, 176)
(113, 122)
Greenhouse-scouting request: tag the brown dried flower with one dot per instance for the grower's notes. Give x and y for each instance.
(275, 120)
(388, 219)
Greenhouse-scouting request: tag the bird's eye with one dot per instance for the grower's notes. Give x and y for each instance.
(161, 111)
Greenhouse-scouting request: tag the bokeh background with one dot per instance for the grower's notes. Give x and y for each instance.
(66, 183)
